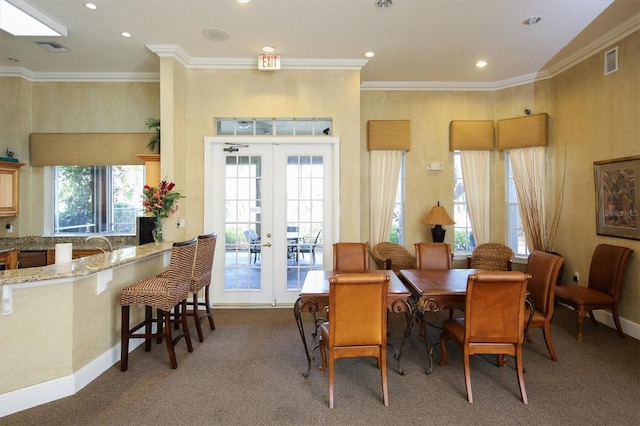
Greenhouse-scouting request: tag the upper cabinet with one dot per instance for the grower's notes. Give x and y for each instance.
(9, 187)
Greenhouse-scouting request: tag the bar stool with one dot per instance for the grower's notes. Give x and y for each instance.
(200, 279)
(162, 292)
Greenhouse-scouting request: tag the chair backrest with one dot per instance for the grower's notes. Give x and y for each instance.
(292, 229)
(494, 308)
(251, 235)
(433, 256)
(205, 251)
(352, 257)
(544, 269)
(358, 309)
(315, 242)
(608, 265)
(181, 268)
(393, 256)
(491, 257)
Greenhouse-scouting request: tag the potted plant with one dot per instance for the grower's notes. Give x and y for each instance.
(153, 123)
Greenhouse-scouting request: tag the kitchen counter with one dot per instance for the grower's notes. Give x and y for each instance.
(84, 266)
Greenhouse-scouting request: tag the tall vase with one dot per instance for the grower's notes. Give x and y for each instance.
(156, 233)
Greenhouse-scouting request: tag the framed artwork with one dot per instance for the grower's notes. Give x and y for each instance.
(617, 212)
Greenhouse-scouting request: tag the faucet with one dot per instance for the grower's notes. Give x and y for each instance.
(100, 237)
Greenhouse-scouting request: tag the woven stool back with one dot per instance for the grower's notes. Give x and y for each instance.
(203, 265)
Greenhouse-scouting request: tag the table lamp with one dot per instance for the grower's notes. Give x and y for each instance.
(438, 216)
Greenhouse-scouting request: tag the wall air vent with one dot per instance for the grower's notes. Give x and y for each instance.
(52, 46)
(611, 61)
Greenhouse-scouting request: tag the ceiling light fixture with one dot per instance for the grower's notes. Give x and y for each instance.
(215, 34)
(481, 64)
(244, 1)
(91, 6)
(369, 54)
(268, 49)
(532, 20)
(383, 3)
(20, 19)
(125, 34)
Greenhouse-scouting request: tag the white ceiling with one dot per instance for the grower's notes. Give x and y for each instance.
(416, 41)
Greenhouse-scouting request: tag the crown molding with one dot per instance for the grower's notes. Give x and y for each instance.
(176, 52)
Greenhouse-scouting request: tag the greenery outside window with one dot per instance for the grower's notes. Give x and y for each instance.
(97, 199)
(463, 241)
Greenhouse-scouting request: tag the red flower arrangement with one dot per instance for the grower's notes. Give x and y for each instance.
(161, 201)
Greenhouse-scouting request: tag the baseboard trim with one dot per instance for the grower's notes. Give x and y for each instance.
(42, 393)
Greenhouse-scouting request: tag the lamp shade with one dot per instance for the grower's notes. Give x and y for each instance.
(438, 216)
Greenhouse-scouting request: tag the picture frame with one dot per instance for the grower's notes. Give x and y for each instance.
(617, 193)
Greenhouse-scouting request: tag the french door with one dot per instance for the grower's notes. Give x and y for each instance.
(272, 203)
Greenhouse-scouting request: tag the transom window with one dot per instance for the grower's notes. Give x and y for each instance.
(274, 126)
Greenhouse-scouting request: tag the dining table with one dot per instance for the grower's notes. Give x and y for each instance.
(436, 290)
(314, 298)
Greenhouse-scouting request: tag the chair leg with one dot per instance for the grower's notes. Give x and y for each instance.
(185, 326)
(208, 307)
(443, 346)
(196, 317)
(166, 316)
(124, 339)
(382, 360)
(467, 375)
(331, 377)
(323, 355)
(519, 370)
(546, 333)
(616, 320)
(580, 316)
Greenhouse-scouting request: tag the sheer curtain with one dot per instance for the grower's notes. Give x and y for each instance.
(385, 170)
(476, 174)
(529, 175)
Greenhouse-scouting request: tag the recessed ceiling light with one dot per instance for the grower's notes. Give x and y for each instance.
(383, 3)
(91, 6)
(481, 64)
(532, 20)
(125, 34)
(244, 1)
(369, 54)
(268, 49)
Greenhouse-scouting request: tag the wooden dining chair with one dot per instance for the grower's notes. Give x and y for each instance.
(544, 269)
(433, 255)
(493, 321)
(201, 279)
(162, 292)
(357, 324)
(351, 257)
(606, 279)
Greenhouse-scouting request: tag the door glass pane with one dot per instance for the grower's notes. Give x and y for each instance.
(305, 207)
(243, 222)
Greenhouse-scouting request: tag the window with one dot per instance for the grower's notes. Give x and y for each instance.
(274, 126)
(463, 241)
(97, 199)
(397, 225)
(515, 231)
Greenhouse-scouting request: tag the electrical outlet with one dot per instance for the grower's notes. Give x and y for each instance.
(576, 276)
(182, 223)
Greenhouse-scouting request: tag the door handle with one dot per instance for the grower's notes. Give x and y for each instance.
(267, 245)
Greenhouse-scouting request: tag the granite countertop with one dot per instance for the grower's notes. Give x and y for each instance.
(49, 243)
(83, 266)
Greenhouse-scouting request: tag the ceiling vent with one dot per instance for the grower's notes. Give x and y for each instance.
(611, 61)
(52, 46)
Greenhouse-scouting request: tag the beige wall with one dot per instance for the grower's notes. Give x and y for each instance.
(592, 118)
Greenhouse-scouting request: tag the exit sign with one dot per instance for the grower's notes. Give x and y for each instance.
(268, 62)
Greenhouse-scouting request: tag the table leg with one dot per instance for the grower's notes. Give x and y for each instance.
(407, 306)
(312, 307)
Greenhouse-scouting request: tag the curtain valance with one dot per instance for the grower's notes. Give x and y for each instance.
(523, 132)
(471, 135)
(389, 135)
(87, 149)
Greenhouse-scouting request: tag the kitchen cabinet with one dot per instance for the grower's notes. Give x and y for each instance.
(9, 259)
(9, 187)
